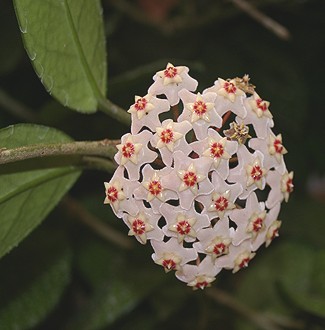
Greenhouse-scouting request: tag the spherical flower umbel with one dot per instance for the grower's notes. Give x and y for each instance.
(205, 186)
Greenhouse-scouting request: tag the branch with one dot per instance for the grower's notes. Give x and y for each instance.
(104, 148)
(99, 227)
(268, 22)
(223, 298)
(16, 108)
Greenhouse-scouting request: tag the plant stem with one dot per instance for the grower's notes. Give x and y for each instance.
(225, 299)
(97, 163)
(16, 108)
(80, 213)
(268, 22)
(114, 111)
(104, 148)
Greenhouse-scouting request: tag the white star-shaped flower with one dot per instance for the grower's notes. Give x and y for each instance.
(272, 232)
(242, 260)
(189, 178)
(133, 152)
(259, 106)
(225, 101)
(229, 90)
(114, 194)
(152, 189)
(139, 226)
(272, 158)
(199, 277)
(182, 224)
(215, 241)
(221, 200)
(171, 254)
(256, 224)
(255, 173)
(276, 148)
(261, 121)
(145, 112)
(170, 81)
(219, 149)
(199, 111)
(272, 226)
(281, 187)
(119, 193)
(129, 151)
(244, 219)
(237, 258)
(170, 137)
(144, 225)
(249, 172)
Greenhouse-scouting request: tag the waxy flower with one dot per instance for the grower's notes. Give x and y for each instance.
(204, 186)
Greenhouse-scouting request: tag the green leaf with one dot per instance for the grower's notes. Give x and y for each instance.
(28, 196)
(66, 44)
(33, 278)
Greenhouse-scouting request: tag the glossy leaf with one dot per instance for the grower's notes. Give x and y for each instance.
(27, 196)
(33, 278)
(66, 44)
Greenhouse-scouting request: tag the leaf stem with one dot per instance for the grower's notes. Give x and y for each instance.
(103, 148)
(114, 111)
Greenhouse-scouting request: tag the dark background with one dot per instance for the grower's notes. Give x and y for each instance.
(215, 39)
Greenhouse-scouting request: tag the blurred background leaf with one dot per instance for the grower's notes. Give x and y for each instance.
(33, 278)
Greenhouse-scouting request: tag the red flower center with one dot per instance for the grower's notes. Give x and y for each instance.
(155, 187)
(289, 185)
(258, 224)
(128, 150)
(140, 104)
(201, 285)
(183, 227)
(169, 264)
(190, 179)
(112, 194)
(170, 72)
(229, 87)
(256, 173)
(167, 135)
(244, 262)
(261, 104)
(221, 203)
(139, 227)
(216, 150)
(200, 108)
(278, 146)
(275, 234)
(219, 249)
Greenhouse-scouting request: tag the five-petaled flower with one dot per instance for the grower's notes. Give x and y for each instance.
(194, 185)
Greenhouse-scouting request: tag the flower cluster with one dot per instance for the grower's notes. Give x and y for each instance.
(205, 187)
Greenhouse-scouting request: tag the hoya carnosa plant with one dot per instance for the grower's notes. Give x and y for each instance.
(204, 186)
